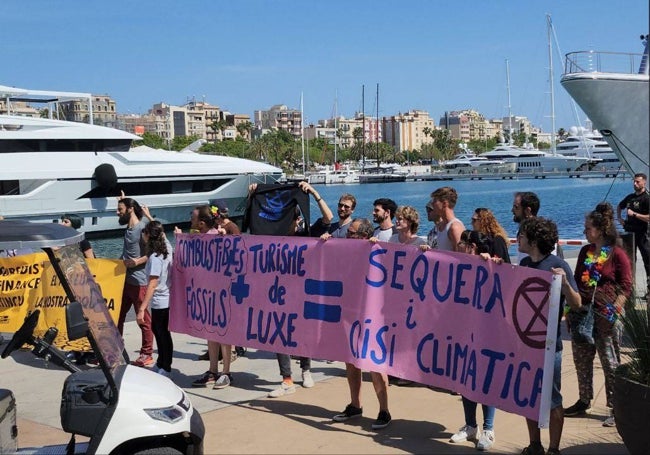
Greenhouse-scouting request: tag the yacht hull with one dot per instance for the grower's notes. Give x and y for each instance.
(618, 103)
(46, 185)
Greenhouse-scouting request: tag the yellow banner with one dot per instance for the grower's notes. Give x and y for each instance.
(29, 282)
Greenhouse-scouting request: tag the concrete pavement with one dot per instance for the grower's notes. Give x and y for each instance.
(241, 419)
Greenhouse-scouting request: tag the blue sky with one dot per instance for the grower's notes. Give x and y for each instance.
(245, 55)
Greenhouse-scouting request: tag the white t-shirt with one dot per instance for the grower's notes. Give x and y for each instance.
(160, 267)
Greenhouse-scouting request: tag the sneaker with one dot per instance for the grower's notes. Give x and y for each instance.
(204, 356)
(143, 361)
(284, 389)
(208, 379)
(578, 409)
(350, 412)
(609, 421)
(466, 433)
(307, 380)
(486, 441)
(534, 449)
(383, 419)
(163, 372)
(223, 381)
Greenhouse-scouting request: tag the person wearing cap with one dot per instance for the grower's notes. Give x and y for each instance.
(74, 221)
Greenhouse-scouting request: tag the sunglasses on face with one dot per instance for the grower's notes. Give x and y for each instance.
(345, 206)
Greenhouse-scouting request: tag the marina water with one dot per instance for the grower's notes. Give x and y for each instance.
(564, 200)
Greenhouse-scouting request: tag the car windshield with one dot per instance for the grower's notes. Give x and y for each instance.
(87, 292)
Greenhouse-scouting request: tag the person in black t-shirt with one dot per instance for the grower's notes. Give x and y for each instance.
(636, 207)
(74, 221)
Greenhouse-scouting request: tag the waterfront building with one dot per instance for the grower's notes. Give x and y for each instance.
(103, 109)
(278, 117)
(18, 108)
(407, 131)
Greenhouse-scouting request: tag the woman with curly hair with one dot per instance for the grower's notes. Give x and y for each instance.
(157, 295)
(484, 221)
(604, 277)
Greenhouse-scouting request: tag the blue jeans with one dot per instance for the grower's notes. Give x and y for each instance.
(469, 407)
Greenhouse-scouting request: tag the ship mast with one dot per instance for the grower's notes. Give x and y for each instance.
(550, 78)
(510, 142)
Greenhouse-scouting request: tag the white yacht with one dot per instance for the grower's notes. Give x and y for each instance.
(51, 167)
(612, 89)
(334, 176)
(589, 143)
(466, 161)
(529, 159)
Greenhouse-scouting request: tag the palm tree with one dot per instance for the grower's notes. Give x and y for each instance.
(219, 125)
(244, 129)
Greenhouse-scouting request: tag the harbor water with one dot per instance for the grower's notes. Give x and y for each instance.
(565, 201)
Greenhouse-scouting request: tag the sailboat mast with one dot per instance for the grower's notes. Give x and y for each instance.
(509, 105)
(302, 135)
(363, 127)
(336, 130)
(377, 127)
(550, 78)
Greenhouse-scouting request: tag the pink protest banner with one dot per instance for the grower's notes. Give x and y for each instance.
(446, 319)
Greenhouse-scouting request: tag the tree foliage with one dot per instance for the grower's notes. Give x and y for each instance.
(152, 140)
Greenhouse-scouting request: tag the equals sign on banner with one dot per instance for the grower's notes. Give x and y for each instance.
(323, 311)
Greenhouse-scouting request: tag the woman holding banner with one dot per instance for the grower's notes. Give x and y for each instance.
(537, 238)
(480, 244)
(206, 218)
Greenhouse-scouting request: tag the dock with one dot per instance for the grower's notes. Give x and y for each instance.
(455, 175)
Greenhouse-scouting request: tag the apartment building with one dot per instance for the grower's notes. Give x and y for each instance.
(18, 108)
(279, 117)
(136, 123)
(103, 107)
(407, 131)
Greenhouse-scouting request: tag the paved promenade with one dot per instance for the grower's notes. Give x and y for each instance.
(241, 419)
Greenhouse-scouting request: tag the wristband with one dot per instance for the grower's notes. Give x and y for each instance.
(319, 199)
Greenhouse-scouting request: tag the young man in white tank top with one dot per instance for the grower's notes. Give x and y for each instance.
(443, 200)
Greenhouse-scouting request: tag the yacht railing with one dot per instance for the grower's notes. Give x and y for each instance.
(605, 62)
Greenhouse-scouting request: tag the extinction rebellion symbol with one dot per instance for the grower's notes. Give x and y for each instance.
(531, 324)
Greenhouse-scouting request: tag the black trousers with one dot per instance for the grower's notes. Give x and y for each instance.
(160, 329)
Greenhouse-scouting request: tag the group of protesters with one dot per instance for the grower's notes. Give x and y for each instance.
(599, 286)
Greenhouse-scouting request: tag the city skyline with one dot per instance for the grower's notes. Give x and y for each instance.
(251, 55)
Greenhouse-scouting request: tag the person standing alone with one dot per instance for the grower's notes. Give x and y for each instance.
(636, 207)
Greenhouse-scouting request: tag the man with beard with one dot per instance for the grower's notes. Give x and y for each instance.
(135, 286)
(526, 205)
(345, 209)
(383, 212)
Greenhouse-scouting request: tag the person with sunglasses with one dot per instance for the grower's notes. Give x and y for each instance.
(484, 221)
(345, 209)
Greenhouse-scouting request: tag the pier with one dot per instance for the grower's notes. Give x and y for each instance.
(454, 175)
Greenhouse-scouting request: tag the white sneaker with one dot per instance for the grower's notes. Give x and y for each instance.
(284, 389)
(609, 420)
(222, 381)
(162, 372)
(466, 433)
(486, 441)
(307, 380)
